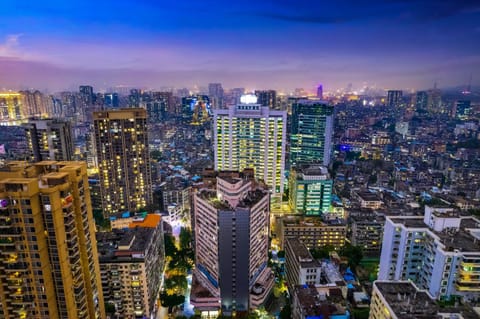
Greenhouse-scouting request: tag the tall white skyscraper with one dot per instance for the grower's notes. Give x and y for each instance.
(249, 135)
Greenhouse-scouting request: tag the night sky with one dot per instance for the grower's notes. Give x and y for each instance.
(279, 44)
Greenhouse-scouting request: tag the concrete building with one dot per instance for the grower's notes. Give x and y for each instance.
(394, 98)
(310, 190)
(312, 231)
(131, 265)
(366, 231)
(49, 140)
(231, 245)
(311, 132)
(439, 252)
(311, 302)
(402, 299)
(250, 135)
(123, 159)
(267, 98)
(48, 261)
(301, 268)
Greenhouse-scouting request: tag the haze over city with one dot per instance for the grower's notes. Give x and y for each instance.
(57, 45)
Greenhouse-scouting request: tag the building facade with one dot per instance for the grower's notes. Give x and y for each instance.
(48, 261)
(402, 299)
(310, 190)
(439, 252)
(49, 140)
(366, 231)
(123, 159)
(131, 266)
(311, 132)
(231, 243)
(301, 268)
(312, 231)
(252, 136)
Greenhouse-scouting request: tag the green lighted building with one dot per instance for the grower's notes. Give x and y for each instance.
(311, 132)
(310, 190)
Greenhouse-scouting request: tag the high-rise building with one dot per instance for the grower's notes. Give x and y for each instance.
(48, 265)
(11, 108)
(86, 92)
(421, 100)
(231, 244)
(165, 98)
(320, 92)
(311, 132)
(463, 109)
(434, 102)
(310, 190)
(249, 135)
(131, 265)
(267, 98)
(111, 100)
(439, 252)
(123, 159)
(394, 98)
(49, 140)
(35, 104)
(215, 92)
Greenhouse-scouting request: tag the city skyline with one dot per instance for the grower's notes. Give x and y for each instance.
(395, 44)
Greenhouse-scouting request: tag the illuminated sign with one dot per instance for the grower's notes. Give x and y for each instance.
(248, 99)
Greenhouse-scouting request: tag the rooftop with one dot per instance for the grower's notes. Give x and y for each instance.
(109, 244)
(302, 254)
(407, 302)
(314, 303)
(298, 221)
(414, 222)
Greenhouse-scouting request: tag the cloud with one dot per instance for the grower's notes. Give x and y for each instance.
(10, 46)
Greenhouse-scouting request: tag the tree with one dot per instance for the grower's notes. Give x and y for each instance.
(156, 155)
(354, 254)
(170, 248)
(176, 282)
(322, 252)
(109, 307)
(286, 312)
(171, 301)
(185, 238)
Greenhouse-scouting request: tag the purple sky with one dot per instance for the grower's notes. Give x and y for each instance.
(280, 44)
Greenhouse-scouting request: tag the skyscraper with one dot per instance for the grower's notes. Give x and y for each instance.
(215, 92)
(11, 108)
(267, 98)
(249, 135)
(311, 132)
(320, 92)
(49, 140)
(48, 265)
(394, 98)
(231, 243)
(421, 100)
(123, 159)
(86, 93)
